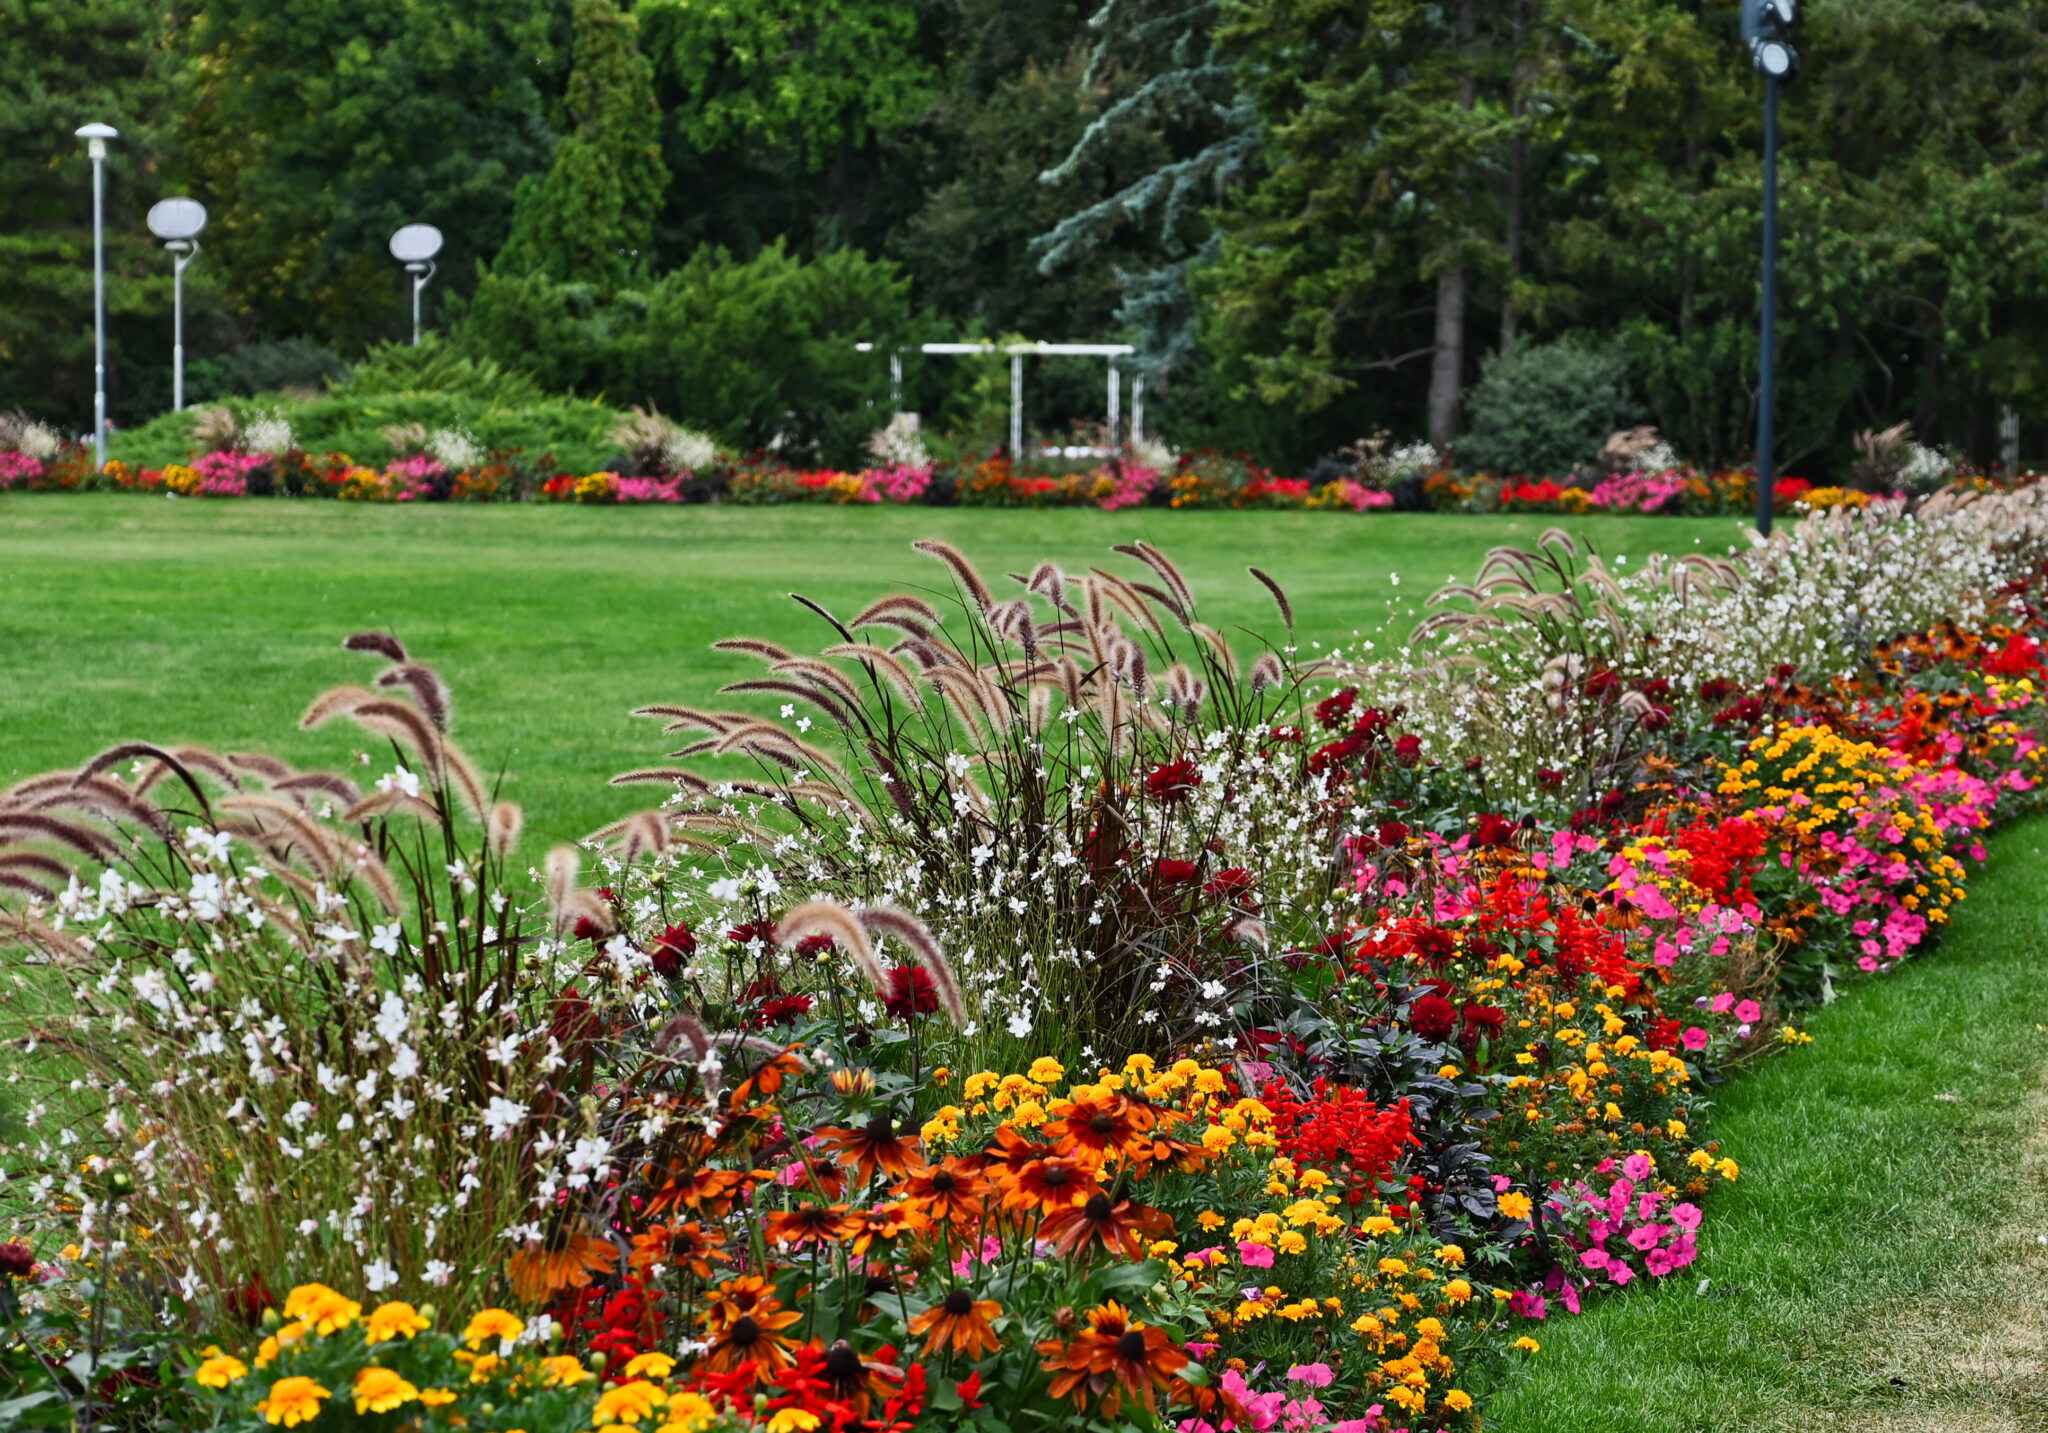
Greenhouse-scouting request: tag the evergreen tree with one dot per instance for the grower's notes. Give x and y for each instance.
(591, 218)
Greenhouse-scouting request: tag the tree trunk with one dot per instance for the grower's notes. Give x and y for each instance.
(1447, 372)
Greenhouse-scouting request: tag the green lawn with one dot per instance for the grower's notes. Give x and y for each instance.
(216, 623)
(1882, 1264)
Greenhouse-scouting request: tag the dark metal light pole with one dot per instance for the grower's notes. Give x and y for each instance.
(1766, 24)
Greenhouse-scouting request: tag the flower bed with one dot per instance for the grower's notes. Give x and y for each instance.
(1059, 1012)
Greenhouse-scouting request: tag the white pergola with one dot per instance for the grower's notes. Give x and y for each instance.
(1018, 353)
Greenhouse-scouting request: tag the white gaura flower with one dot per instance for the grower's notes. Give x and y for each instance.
(206, 897)
(438, 1273)
(207, 845)
(379, 1276)
(400, 780)
(1020, 1025)
(406, 1064)
(385, 938)
(502, 1116)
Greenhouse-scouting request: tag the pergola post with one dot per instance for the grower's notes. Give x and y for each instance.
(1016, 405)
(1116, 394)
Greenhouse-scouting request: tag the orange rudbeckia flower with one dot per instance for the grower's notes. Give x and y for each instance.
(961, 1319)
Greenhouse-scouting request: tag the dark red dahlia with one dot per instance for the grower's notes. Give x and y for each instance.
(910, 993)
(1172, 781)
(1433, 1018)
(673, 951)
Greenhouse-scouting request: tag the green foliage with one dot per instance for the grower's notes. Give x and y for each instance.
(756, 354)
(316, 129)
(812, 76)
(433, 366)
(1545, 408)
(592, 217)
(576, 432)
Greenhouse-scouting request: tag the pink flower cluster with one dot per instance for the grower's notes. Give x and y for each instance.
(650, 490)
(19, 468)
(1131, 485)
(1616, 1236)
(226, 474)
(1289, 1411)
(1642, 492)
(895, 483)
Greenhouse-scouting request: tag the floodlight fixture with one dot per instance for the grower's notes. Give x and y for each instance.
(415, 246)
(96, 137)
(177, 222)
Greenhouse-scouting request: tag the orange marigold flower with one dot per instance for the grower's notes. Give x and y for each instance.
(961, 1319)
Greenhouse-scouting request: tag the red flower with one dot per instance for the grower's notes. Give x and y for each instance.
(1229, 886)
(970, 1390)
(1392, 834)
(1408, 750)
(785, 1009)
(1433, 1018)
(1548, 778)
(16, 1260)
(1334, 712)
(1493, 829)
(910, 993)
(673, 951)
(1475, 1021)
(763, 931)
(1169, 872)
(1172, 781)
(816, 947)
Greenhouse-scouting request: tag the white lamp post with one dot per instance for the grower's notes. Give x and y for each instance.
(415, 246)
(96, 137)
(178, 222)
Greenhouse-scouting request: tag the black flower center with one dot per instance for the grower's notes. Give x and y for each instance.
(1056, 1176)
(959, 1303)
(1097, 1209)
(1131, 1347)
(881, 1129)
(842, 1362)
(745, 1332)
(945, 1182)
(1103, 1123)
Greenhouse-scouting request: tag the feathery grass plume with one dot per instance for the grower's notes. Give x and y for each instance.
(836, 625)
(833, 919)
(16, 868)
(945, 552)
(502, 828)
(131, 749)
(753, 647)
(318, 845)
(788, 687)
(267, 768)
(336, 788)
(1266, 673)
(1049, 582)
(427, 689)
(1247, 930)
(383, 643)
(78, 836)
(902, 611)
(879, 660)
(558, 872)
(889, 920)
(385, 803)
(105, 798)
(644, 833)
(1279, 597)
(825, 675)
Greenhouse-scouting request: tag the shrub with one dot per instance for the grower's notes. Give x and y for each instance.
(1545, 409)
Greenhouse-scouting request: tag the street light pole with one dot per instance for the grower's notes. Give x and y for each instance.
(1767, 374)
(183, 251)
(96, 137)
(1767, 30)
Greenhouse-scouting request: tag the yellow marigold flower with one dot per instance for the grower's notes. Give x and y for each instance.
(979, 1084)
(1378, 1224)
(217, 1369)
(321, 1308)
(1292, 1243)
(1216, 1139)
(1449, 1072)
(1313, 1180)
(1210, 1219)
(486, 1365)
(1210, 1082)
(1140, 1066)
(689, 1413)
(1458, 1400)
(627, 1403)
(393, 1320)
(436, 1397)
(379, 1390)
(793, 1420)
(1393, 1266)
(1045, 1070)
(1728, 1169)
(1451, 1254)
(1528, 1345)
(1699, 1159)
(565, 1371)
(1303, 1211)
(1514, 1204)
(1160, 1248)
(1457, 1291)
(1031, 1112)
(1675, 1128)
(651, 1365)
(1429, 1328)
(492, 1324)
(293, 1401)
(1365, 1325)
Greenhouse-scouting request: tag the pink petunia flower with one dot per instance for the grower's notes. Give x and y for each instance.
(1694, 1038)
(1315, 1375)
(1254, 1256)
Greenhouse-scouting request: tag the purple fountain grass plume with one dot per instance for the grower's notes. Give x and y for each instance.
(1127, 597)
(834, 622)
(364, 862)
(16, 866)
(502, 827)
(107, 799)
(1158, 561)
(753, 647)
(559, 873)
(315, 841)
(881, 660)
(382, 643)
(945, 552)
(130, 749)
(1225, 658)
(825, 675)
(1279, 597)
(1266, 672)
(835, 920)
(26, 929)
(802, 691)
(326, 783)
(907, 614)
(686, 1029)
(642, 833)
(1049, 582)
(383, 803)
(257, 764)
(427, 689)
(692, 719)
(887, 920)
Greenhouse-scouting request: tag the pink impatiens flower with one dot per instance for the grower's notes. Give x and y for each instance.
(1749, 1012)
(1694, 1038)
(1254, 1256)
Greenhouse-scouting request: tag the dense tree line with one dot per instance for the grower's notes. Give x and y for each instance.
(1318, 218)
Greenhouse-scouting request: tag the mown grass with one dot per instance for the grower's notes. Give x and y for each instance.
(216, 623)
(1882, 1263)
